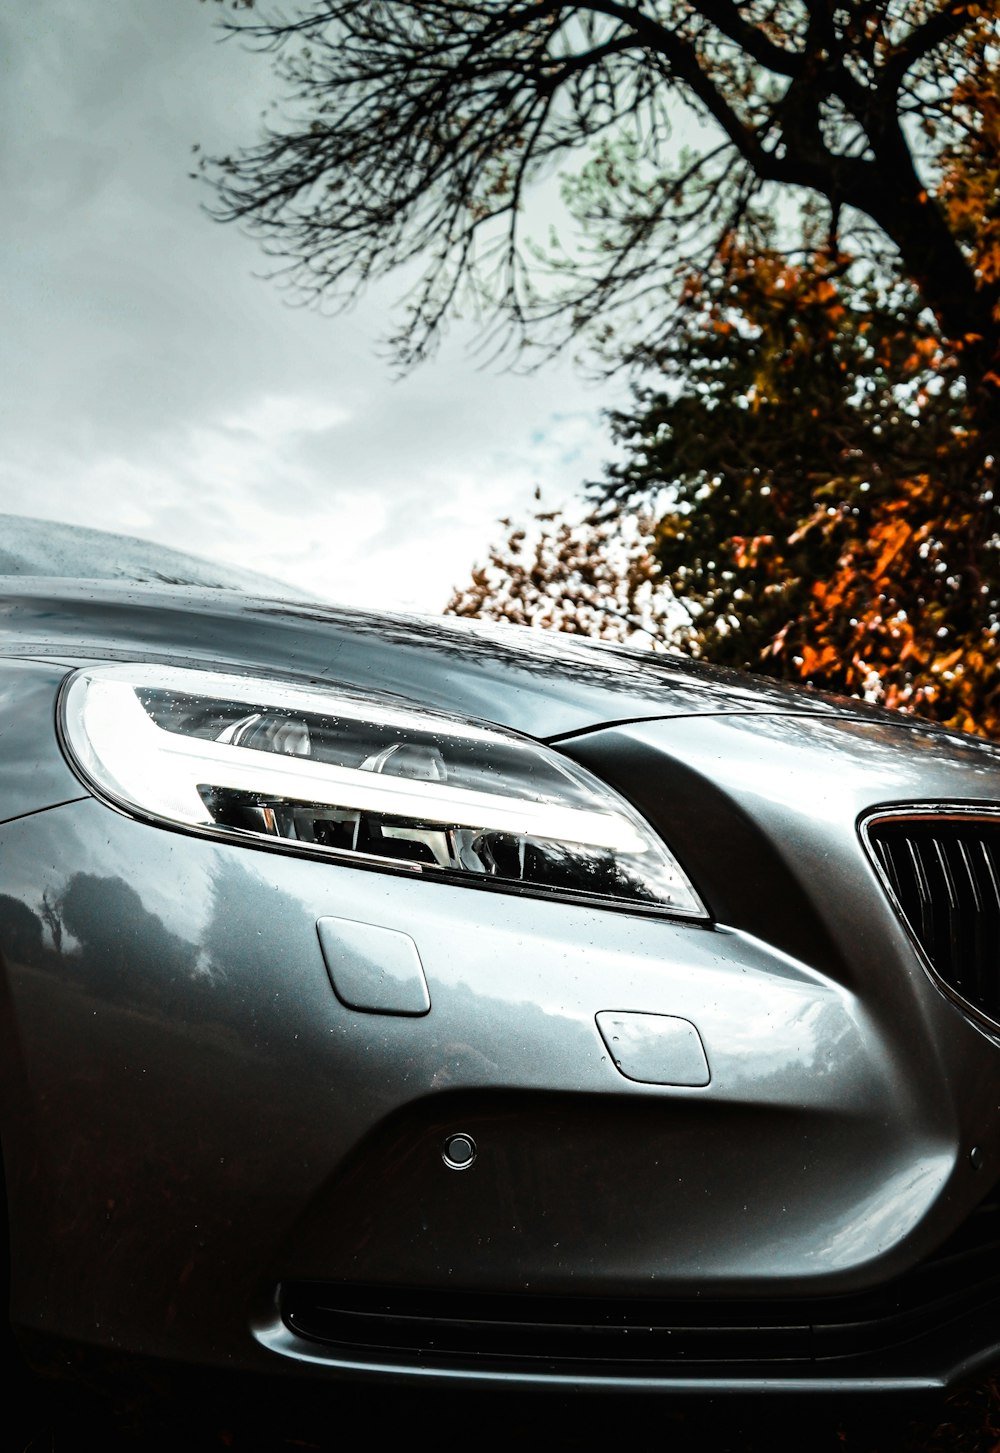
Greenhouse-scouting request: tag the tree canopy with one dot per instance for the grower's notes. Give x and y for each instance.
(834, 515)
(587, 577)
(811, 289)
(414, 128)
(832, 508)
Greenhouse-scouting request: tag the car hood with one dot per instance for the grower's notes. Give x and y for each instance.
(32, 547)
(544, 684)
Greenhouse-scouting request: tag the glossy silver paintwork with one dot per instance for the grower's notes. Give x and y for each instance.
(230, 984)
(34, 773)
(192, 1116)
(527, 680)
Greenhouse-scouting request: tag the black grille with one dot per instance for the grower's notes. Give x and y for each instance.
(949, 1304)
(945, 874)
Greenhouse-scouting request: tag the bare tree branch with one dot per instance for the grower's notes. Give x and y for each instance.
(420, 126)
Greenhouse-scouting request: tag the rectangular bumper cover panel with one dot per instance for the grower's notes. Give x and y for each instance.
(372, 968)
(655, 1049)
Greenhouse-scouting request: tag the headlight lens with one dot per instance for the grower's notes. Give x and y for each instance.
(323, 773)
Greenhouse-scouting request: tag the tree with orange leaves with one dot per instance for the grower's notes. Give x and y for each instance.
(834, 459)
(831, 455)
(829, 415)
(833, 516)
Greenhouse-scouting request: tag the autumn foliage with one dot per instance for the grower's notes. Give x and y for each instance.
(834, 516)
(829, 452)
(586, 577)
(787, 212)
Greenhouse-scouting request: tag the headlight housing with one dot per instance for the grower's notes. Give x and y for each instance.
(325, 773)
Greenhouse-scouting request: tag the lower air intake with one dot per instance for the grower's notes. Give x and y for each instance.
(945, 1305)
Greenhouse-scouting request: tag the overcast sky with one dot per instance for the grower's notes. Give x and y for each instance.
(155, 385)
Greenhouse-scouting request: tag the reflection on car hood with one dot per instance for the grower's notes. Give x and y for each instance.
(542, 683)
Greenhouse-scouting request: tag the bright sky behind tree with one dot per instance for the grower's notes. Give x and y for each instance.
(155, 385)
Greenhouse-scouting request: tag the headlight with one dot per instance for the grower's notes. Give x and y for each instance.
(319, 772)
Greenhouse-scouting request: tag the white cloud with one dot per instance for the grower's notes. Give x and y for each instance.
(160, 388)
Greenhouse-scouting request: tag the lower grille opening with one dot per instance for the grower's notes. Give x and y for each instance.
(957, 1288)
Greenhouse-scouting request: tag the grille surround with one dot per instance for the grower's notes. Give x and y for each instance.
(940, 868)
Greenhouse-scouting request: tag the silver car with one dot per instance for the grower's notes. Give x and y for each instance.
(390, 1000)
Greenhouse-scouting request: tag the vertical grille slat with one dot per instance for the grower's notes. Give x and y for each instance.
(975, 922)
(951, 947)
(990, 881)
(944, 873)
(924, 904)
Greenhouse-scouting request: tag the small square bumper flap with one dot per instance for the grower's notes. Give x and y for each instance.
(655, 1049)
(372, 968)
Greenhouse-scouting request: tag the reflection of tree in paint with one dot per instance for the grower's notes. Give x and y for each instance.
(245, 906)
(52, 920)
(20, 931)
(125, 950)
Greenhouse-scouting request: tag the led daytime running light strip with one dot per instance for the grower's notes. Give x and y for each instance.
(133, 753)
